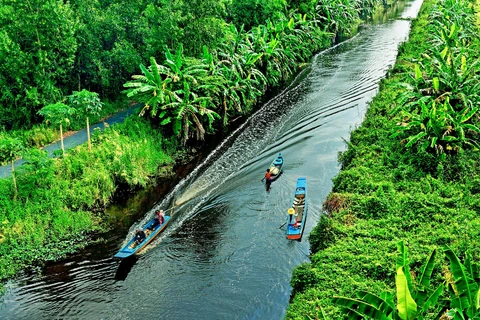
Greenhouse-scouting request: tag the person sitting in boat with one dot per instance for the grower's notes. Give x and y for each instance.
(296, 225)
(159, 219)
(140, 236)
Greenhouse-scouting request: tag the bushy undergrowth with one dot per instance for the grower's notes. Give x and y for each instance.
(53, 211)
(386, 193)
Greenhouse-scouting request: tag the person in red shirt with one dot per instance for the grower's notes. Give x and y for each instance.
(268, 176)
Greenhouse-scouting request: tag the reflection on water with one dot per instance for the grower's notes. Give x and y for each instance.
(224, 254)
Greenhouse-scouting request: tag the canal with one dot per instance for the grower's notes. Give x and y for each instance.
(224, 255)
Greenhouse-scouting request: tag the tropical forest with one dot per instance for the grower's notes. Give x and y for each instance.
(135, 137)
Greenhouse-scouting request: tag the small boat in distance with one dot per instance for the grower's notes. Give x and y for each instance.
(297, 213)
(276, 167)
(151, 230)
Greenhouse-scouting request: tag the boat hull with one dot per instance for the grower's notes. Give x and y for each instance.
(276, 168)
(297, 213)
(132, 247)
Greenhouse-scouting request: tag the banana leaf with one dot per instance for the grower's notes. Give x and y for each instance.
(406, 306)
(359, 307)
(466, 288)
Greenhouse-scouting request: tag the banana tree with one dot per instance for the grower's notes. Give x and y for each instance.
(437, 126)
(192, 114)
(235, 43)
(237, 94)
(240, 82)
(153, 88)
(179, 69)
(58, 114)
(413, 300)
(464, 289)
(337, 15)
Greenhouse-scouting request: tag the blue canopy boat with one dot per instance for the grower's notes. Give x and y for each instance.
(297, 213)
(151, 229)
(276, 167)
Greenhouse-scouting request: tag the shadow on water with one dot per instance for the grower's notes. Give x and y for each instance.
(124, 267)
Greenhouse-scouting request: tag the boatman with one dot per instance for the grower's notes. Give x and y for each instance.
(268, 176)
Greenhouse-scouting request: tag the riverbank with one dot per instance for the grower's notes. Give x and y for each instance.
(60, 201)
(390, 190)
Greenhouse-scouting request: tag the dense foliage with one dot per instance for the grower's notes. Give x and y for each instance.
(201, 63)
(51, 48)
(422, 189)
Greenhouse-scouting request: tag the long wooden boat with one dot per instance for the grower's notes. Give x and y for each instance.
(151, 231)
(276, 167)
(297, 213)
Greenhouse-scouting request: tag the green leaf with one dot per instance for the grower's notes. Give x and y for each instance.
(436, 83)
(432, 299)
(465, 287)
(467, 116)
(406, 306)
(166, 121)
(402, 261)
(427, 270)
(359, 307)
(418, 72)
(384, 302)
(413, 139)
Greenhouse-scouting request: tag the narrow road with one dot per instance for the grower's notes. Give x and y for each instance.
(73, 140)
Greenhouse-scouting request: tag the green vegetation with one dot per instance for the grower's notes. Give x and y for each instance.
(410, 174)
(52, 214)
(88, 104)
(419, 299)
(58, 114)
(52, 50)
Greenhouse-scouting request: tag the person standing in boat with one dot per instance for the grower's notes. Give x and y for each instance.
(268, 179)
(268, 176)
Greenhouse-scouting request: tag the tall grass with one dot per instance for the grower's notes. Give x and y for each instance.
(53, 213)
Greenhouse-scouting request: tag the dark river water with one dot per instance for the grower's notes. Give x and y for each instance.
(224, 255)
